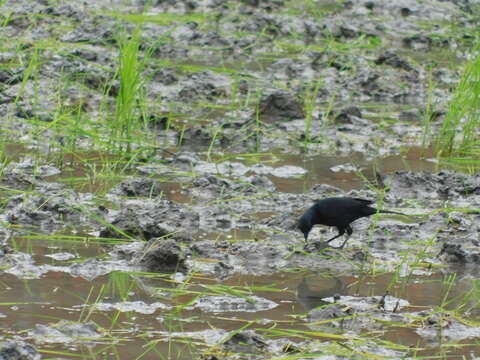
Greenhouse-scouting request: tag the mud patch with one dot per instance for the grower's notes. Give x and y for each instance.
(162, 256)
(18, 350)
(65, 332)
(139, 187)
(233, 304)
(451, 328)
(150, 219)
(446, 185)
(131, 306)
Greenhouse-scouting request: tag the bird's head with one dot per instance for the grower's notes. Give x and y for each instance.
(305, 225)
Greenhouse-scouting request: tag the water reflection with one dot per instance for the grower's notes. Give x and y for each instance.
(311, 296)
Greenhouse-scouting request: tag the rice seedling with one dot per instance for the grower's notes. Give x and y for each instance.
(31, 71)
(459, 134)
(130, 93)
(309, 106)
(319, 10)
(216, 132)
(161, 18)
(427, 116)
(193, 68)
(258, 128)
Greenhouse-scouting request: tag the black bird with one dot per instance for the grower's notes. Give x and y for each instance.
(339, 212)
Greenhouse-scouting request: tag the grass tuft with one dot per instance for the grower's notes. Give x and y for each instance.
(459, 133)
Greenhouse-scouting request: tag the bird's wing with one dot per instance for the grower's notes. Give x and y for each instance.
(366, 202)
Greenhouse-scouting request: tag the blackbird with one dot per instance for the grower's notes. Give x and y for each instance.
(339, 212)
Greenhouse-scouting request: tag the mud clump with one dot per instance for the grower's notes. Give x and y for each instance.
(246, 342)
(10, 77)
(334, 311)
(451, 328)
(26, 174)
(203, 85)
(256, 258)
(460, 254)
(65, 332)
(165, 76)
(412, 115)
(259, 181)
(51, 206)
(98, 30)
(222, 270)
(446, 185)
(208, 249)
(341, 314)
(285, 221)
(280, 105)
(211, 187)
(394, 60)
(232, 303)
(162, 255)
(348, 115)
(152, 219)
(185, 160)
(18, 350)
(196, 136)
(138, 187)
(5, 250)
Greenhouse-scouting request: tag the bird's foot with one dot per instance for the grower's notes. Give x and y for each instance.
(341, 246)
(316, 246)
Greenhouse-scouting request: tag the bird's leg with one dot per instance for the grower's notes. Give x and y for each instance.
(344, 243)
(341, 231)
(305, 235)
(349, 232)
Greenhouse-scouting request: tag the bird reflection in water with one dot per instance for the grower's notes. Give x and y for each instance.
(324, 288)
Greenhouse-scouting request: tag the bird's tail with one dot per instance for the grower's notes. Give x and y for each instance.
(391, 212)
